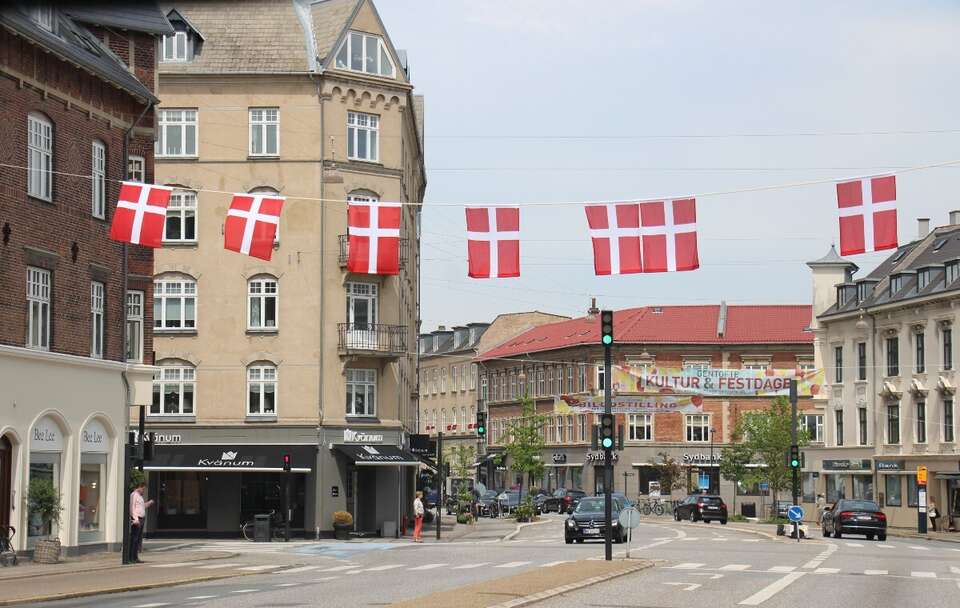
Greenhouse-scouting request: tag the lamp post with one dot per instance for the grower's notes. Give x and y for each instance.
(712, 431)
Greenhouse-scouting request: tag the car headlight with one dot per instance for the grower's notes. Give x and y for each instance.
(571, 523)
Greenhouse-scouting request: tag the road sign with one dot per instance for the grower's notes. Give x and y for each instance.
(795, 513)
(922, 475)
(764, 486)
(630, 518)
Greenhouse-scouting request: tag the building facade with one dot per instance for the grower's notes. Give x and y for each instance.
(566, 358)
(296, 355)
(886, 340)
(76, 90)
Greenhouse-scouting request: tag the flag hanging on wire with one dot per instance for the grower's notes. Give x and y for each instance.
(374, 237)
(140, 214)
(868, 214)
(669, 230)
(251, 225)
(493, 242)
(615, 233)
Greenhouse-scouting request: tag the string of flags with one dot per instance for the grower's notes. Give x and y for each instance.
(627, 237)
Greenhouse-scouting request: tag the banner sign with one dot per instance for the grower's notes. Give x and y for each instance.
(715, 382)
(623, 404)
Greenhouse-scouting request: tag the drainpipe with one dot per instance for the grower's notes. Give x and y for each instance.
(318, 491)
(877, 419)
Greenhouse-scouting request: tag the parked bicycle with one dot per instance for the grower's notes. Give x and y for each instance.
(277, 527)
(8, 556)
(654, 506)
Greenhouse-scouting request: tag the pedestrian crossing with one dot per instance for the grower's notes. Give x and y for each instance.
(951, 574)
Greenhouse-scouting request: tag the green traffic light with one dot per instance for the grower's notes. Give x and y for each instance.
(608, 339)
(795, 463)
(607, 443)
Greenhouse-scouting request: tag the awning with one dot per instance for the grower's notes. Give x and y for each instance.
(378, 455)
(948, 475)
(428, 463)
(232, 458)
(485, 459)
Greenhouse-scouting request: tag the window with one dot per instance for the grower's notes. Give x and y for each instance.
(947, 348)
(463, 377)
(483, 387)
(838, 420)
(174, 304)
(698, 428)
(365, 53)
(38, 308)
(923, 279)
(513, 385)
(893, 489)
(522, 382)
(453, 377)
(569, 380)
(39, 157)
(473, 376)
(264, 132)
(896, 284)
(177, 135)
(42, 14)
(582, 378)
(953, 272)
(641, 427)
(181, 222)
(136, 168)
(813, 423)
(98, 179)
(948, 434)
(262, 303)
(755, 364)
(701, 364)
(558, 421)
(173, 391)
(362, 308)
(549, 379)
(921, 354)
(362, 134)
(863, 290)
(134, 346)
(862, 423)
(838, 364)
(862, 487)
(540, 386)
(362, 392)
(463, 419)
(893, 356)
(262, 390)
(96, 319)
(913, 497)
(443, 380)
(175, 47)
(600, 384)
(861, 360)
(921, 412)
(893, 423)
(581, 427)
(841, 296)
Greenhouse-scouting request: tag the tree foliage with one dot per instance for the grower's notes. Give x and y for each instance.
(462, 458)
(525, 442)
(733, 465)
(767, 435)
(670, 473)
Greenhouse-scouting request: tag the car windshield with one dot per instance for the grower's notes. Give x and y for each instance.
(709, 500)
(590, 505)
(559, 493)
(489, 494)
(859, 505)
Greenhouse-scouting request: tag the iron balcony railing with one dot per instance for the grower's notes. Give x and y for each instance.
(345, 250)
(375, 338)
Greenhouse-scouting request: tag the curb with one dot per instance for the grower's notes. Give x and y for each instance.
(538, 597)
(921, 537)
(522, 526)
(100, 569)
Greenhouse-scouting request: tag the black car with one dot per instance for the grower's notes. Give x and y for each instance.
(701, 507)
(587, 521)
(508, 501)
(539, 498)
(855, 517)
(487, 504)
(562, 500)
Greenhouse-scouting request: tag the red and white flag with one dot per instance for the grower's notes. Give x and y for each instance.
(251, 225)
(141, 212)
(669, 235)
(868, 214)
(493, 242)
(615, 232)
(374, 244)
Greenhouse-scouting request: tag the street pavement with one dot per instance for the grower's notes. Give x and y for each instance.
(697, 564)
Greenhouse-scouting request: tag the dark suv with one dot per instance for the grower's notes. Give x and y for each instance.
(855, 517)
(562, 500)
(701, 507)
(588, 521)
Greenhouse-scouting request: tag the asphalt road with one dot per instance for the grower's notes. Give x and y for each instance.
(697, 565)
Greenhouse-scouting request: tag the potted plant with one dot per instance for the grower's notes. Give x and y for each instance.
(342, 524)
(43, 502)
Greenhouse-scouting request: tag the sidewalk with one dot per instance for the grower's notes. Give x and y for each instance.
(770, 530)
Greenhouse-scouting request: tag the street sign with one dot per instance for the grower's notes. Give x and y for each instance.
(795, 513)
(630, 518)
(764, 486)
(922, 475)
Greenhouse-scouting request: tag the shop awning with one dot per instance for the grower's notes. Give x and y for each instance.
(485, 460)
(378, 455)
(232, 458)
(948, 475)
(428, 463)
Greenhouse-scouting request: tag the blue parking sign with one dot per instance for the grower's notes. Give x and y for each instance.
(795, 513)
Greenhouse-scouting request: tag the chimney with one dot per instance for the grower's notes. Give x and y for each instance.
(722, 319)
(954, 217)
(593, 310)
(923, 227)
(441, 328)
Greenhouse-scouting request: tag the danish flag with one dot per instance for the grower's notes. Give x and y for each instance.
(493, 242)
(374, 244)
(868, 214)
(141, 212)
(669, 235)
(615, 232)
(251, 225)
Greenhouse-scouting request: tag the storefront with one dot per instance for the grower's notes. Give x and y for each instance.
(847, 478)
(47, 443)
(697, 471)
(562, 469)
(96, 483)
(899, 497)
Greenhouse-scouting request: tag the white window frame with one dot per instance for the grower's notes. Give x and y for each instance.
(694, 421)
(640, 427)
(261, 119)
(183, 376)
(948, 406)
(97, 296)
(886, 423)
(344, 56)
(183, 205)
(259, 378)
(39, 157)
(367, 126)
(182, 288)
(366, 379)
(817, 436)
(184, 118)
(454, 378)
(262, 289)
(917, 427)
(697, 362)
(863, 430)
(179, 36)
(98, 179)
(756, 364)
(136, 168)
(598, 379)
(136, 300)
(39, 290)
(463, 377)
(473, 376)
(42, 14)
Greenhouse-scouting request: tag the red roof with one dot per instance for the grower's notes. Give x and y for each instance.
(752, 324)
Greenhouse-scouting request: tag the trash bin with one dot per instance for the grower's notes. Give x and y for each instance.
(748, 509)
(261, 528)
(389, 529)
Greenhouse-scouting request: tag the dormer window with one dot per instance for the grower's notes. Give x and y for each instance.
(923, 278)
(175, 47)
(953, 272)
(183, 44)
(365, 53)
(863, 291)
(42, 14)
(841, 296)
(896, 284)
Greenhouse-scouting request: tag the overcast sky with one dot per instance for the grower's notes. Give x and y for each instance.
(506, 80)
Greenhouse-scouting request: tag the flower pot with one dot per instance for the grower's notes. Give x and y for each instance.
(47, 551)
(342, 531)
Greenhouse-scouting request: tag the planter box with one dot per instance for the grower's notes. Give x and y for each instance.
(47, 551)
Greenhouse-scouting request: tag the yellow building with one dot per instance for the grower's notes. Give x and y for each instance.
(295, 356)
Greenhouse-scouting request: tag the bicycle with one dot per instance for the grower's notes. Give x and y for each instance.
(277, 527)
(656, 507)
(8, 556)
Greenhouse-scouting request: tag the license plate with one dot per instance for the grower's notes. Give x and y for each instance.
(713, 508)
(591, 531)
(864, 518)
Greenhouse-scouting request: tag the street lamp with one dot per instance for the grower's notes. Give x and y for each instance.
(712, 431)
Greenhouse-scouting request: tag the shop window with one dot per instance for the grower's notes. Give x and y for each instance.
(913, 497)
(809, 487)
(863, 487)
(835, 488)
(893, 489)
(43, 466)
(91, 499)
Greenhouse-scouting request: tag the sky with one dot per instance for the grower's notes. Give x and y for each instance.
(536, 101)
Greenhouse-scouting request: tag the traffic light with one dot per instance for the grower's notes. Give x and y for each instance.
(286, 463)
(794, 457)
(481, 425)
(606, 327)
(607, 431)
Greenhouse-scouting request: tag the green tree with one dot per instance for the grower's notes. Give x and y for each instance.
(670, 473)
(767, 434)
(733, 465)
(525, 442)
(462, 458)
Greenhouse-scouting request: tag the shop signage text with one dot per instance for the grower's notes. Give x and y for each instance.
(847, 465)
(559, 457)
(715, 382)
(45, 436)
(890, 465)
(351, 436)
(700, 457)
(227, 460)
(599, 457)
(165, 438)
(93, 438)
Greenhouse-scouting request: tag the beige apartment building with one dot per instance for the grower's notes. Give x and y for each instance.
(887, 344)
(293, 356)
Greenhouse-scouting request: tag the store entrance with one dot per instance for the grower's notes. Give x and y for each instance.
(182, 503)
(6, 468)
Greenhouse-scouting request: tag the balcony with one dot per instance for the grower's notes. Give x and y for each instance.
(372, 339)
(345, 250)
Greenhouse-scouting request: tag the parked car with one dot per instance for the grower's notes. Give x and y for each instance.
(855, 517)
(487, 504)
(562, 500)
(781, 507)
(509, 501)
(587, 521)
(701, 507)
(539, 497)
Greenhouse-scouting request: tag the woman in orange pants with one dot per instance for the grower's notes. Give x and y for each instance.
(418, 514)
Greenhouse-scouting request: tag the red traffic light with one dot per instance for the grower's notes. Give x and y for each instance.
(286, 462)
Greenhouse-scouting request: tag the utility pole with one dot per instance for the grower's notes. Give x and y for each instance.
(442, 480)
(794, 451)
(606, 430)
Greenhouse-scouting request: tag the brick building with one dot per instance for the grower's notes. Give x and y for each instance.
(76, 97)
(566, 358)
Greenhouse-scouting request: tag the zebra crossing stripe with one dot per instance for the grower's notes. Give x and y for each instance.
(301, 569)
(512, 565)
(736, 567)
(688, 566)
(469, 566)
(427, 567)
(876, 572)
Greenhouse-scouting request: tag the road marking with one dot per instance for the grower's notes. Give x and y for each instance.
(300, 569)
(688, 566)
(552, 564)
(712, 576)
(382, 568)
(720, 539)
(736, 567)
(922, 574)
(771, 590)
(354, 571)
(664, 538)
(750, 540)
(338, 569)
(259, 568)
(428, 567)
(854, 545)
(244, 590)
(821, 557)
(469, 566)
(153, 605)
(326, 578)
(512, 565)
(954, 570)
(286, 584)
(172, 565)
(876, 572)
(782, 569)
(916, 548)
(201, 597)
(886, 546)
(686, 586)
(691, 538)
(169, 548)
(217, 566)
(826, 571)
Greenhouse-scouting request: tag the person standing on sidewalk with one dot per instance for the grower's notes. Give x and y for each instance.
(418, 516)
(934, 514)
(821, 505)
(138, 513)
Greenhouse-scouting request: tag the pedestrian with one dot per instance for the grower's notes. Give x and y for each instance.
(418, 517)
(821, 506)
(138, 513)
(934, 514)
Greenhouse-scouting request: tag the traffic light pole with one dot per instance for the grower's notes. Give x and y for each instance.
(794, 470)
(607, 457)
(442, 480)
